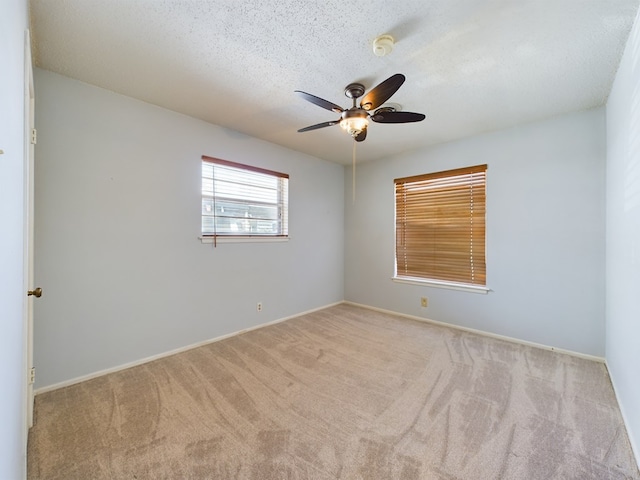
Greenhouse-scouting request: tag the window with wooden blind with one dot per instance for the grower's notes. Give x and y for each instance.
(243, 201)
(440, 226)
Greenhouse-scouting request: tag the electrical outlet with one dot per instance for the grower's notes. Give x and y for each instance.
(259, 306)
(424, 302)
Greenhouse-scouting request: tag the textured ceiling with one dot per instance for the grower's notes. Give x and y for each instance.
(472, 66)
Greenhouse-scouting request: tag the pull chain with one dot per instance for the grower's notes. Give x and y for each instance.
(353, 173)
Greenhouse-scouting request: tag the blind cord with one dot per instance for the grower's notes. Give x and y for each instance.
(215, 215)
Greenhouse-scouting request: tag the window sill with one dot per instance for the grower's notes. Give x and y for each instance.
(243, 239)
(442, 284)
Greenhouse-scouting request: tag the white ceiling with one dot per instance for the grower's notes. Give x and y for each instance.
(471, 65)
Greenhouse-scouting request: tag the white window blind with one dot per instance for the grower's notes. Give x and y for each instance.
(440, 226)
(243, 201)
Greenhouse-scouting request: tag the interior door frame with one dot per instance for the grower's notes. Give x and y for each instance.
(29, 122)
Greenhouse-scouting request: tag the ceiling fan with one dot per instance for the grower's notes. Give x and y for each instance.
(355, 120)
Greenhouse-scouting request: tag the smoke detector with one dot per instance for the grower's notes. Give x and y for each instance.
(383, 45)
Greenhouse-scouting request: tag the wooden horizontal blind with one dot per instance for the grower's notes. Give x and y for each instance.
(440, 226)
(241, 200)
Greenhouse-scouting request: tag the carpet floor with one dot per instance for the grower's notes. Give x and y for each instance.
(341, 393)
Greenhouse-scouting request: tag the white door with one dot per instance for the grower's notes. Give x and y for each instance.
(32, 292)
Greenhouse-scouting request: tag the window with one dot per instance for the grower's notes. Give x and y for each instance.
(440, 227)
(243, 201)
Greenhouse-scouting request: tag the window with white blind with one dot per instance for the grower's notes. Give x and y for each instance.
(440, 227)
(243, 201)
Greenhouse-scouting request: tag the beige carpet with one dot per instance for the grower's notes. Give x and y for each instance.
(343, 393)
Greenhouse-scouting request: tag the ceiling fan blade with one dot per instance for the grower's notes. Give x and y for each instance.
(319, 125)
(382, 92)
(361, 136)
(397, 117)
(321, 102)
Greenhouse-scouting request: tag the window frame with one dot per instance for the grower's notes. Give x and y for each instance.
(446, 183)
(282, 204)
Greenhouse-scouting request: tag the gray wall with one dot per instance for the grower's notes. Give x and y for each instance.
(117, 220)
(623, 236)
(545, 233)
(13, 24)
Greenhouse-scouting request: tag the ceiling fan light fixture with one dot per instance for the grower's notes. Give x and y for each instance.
(354, 121)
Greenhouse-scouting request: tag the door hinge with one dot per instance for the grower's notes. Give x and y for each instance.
(34, 136)
(32, 375)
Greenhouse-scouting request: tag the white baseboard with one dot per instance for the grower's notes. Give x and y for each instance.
(634, 446)
(483, 333)
(142, 361)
